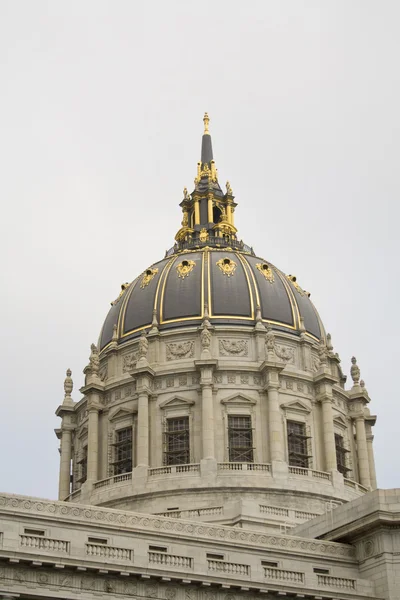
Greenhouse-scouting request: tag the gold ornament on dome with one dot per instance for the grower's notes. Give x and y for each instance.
(227, 266)
(203, 237)
(149, 274)
(124, 286)
(266, 271)
(185, 268)
(302, 292)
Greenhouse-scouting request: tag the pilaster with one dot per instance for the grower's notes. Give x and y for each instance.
(206, 368)
(271, 372)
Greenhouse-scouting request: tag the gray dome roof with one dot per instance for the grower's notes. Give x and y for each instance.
(230, 283)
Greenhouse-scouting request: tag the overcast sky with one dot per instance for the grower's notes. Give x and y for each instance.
(101, 107)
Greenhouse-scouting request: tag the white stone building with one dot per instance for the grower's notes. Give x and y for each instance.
(216, 453)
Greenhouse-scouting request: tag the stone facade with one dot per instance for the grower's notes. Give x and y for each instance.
(238, 378)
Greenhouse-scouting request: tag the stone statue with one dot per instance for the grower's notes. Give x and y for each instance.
(362, 384)
(229, 189)
(355, 371)
(270, 342)
(143, 346)
(94, 360)
(322, 353)
(329, 344)
(185, 219)
(185, 194)
(68, 384)
(205, 340)
(205, 337)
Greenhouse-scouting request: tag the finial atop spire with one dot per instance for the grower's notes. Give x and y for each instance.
(206, 120)
(206, 146)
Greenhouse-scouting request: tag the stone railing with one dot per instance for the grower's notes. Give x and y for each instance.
(338, 582)
(288, 513)
(170, 560)
(237, 466)
(38, 542)
(172, 470)
(109, 552)
(193, 512)
(309, 473)
(74, 496)
(355, 485)
(123, 478)
(273, 573)
(228, 568)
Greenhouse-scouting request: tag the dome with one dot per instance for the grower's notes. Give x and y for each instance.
(228, 284)
(209, 273)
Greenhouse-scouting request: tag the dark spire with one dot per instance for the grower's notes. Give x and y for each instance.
(206, 145)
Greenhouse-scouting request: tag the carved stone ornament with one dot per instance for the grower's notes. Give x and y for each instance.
(179, 350)
(227, 266)
(266, 271)
(149, 274)
(129, 362)
(185, 268)
(203, 236)
(316, 363)
(285, 353)
(233, 347)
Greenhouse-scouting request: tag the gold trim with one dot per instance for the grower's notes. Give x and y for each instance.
(132, 331)
(292, 299)
(185, 267)
(231, 317)
(227, 266)
(148, 276)
(266, 272)
(248, 284)
(121, 316)
(192, 318)
(280, 323)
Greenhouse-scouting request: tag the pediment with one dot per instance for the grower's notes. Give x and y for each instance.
(340, 421)
(241, 399)
(296, 406)
(121, 413)
(176, 401)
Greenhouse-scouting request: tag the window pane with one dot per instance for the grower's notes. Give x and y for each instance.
(240, 437)
(177, 448)
(123, 451)
(297, 444)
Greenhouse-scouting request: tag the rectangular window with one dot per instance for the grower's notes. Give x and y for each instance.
(177, 449)
(123, 451)
(341, 455)
(297, 444)
(240, 438)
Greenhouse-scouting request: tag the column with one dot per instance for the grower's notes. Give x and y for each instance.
(210, 208)
(275, 424)
(142, 450)
(65, 465)
(196, 212)
(328, 434)
(371, 461)
(93, 443)
(229, 213)
(207, 420)
(362, 452)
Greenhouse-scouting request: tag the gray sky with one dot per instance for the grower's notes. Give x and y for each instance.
(101, 109)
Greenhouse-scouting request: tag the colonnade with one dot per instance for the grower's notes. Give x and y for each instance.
(277, 437)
